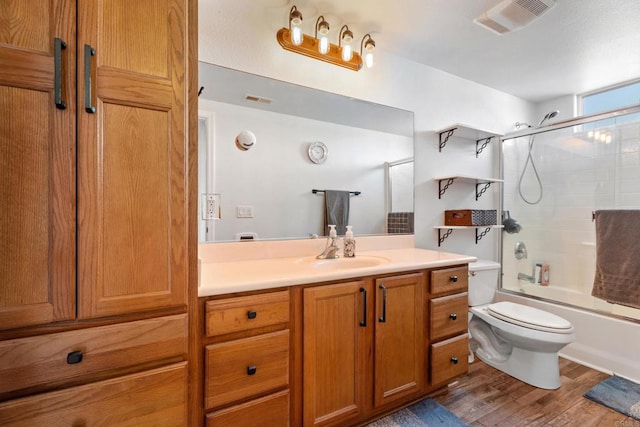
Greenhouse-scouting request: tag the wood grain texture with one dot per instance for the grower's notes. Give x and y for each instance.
(449, 280)
(42, 360)
(227, 378)
(449, 359)
(151, 398)
(400, 340)
(37, 166)
(448, 316)
(487, 397)
(229, 315)
(335, 352)
(268, 411)
(132, 155)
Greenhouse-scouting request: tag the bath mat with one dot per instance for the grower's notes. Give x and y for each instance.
(427, 412)
(618, 394)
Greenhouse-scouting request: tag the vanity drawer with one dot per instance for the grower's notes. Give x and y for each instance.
(237, 314)
(243, 368)
(449, 316)
(449, 359)
(156, 397)
(449, 280)
(268, 411)
(54, 359)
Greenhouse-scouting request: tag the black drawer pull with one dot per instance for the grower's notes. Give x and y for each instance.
(74, 357)
(454, 279)
(454, 360)
(251, 370)
(453, 316)
(251, 314)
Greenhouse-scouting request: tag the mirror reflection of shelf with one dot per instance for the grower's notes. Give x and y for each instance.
(481, 137)
(482, 184)
(442, 235)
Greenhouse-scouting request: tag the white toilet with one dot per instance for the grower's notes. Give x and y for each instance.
(519, 340)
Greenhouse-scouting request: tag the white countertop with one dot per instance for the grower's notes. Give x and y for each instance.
(219, 278)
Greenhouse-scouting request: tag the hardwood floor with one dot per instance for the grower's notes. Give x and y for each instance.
(488, 397)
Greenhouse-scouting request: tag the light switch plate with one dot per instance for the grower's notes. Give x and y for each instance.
(244, 212)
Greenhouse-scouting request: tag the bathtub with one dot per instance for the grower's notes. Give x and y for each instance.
(608, 344)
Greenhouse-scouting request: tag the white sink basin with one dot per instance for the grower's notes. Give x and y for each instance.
(344, 263)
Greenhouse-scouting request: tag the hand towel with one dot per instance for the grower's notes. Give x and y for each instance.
(617, 278)
(336, 204)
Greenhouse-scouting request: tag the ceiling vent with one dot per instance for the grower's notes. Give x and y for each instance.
(258, 99)
(511, 15)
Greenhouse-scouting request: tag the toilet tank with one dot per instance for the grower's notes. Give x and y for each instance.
(483, 281)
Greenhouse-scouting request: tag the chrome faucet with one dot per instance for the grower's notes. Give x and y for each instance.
(331, 250)
(522, 276)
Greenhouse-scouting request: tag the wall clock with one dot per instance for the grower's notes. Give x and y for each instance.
(317, 152)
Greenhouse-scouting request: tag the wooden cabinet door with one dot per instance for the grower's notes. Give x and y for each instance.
(400, 364)
(337, 340)
(37, 162)
(132, 224)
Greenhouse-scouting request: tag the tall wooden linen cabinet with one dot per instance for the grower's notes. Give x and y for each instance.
(94, 231)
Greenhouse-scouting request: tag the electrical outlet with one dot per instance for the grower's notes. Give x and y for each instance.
(244, 212)
(210, 206)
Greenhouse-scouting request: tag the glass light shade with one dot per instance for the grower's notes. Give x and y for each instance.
(323, 45)
(296, 35)
(368, 59)
(346, 52)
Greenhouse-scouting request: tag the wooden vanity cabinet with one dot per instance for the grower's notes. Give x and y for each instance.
(363, 347)
(94, 224)
(448, 324)
(247, 360)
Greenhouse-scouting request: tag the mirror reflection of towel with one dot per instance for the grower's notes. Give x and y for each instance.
(336, 204)
(617, 268)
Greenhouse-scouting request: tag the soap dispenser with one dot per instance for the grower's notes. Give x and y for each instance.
(349, 243)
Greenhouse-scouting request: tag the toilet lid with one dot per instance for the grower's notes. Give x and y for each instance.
(529, 317)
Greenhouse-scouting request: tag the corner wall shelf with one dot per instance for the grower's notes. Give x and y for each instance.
(482, 184)
(442, 236)
(481, 137)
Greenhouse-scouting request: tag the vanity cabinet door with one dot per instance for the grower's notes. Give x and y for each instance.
(336, 344)
(37, 162)
(132, 209)
(399, 337)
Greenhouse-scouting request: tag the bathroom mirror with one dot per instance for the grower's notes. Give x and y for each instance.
(265, 192)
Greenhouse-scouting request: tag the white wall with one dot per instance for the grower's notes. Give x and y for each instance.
(437, 98)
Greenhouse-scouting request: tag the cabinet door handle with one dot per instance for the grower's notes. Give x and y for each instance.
(363, 322)
(454, 360)
(453, 316)
(74, 357)
(454, 279)
(89, 79)
(58, 46)
(383, 318)
(252, 314)
(252, 369)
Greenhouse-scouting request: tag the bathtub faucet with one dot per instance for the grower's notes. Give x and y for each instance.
(522, 276)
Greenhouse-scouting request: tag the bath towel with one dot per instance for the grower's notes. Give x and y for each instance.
(617, 278)
(336, 204)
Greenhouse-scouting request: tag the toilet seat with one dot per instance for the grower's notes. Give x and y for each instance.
(529, 317)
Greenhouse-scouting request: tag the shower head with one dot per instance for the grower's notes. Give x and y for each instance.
(548, 116)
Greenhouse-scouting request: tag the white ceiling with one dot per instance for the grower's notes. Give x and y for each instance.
(576, 47)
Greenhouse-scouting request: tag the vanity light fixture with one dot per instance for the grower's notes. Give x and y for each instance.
(344, 42)
(319, 47)
(322, 28)
(367, 46)
(295, 21)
